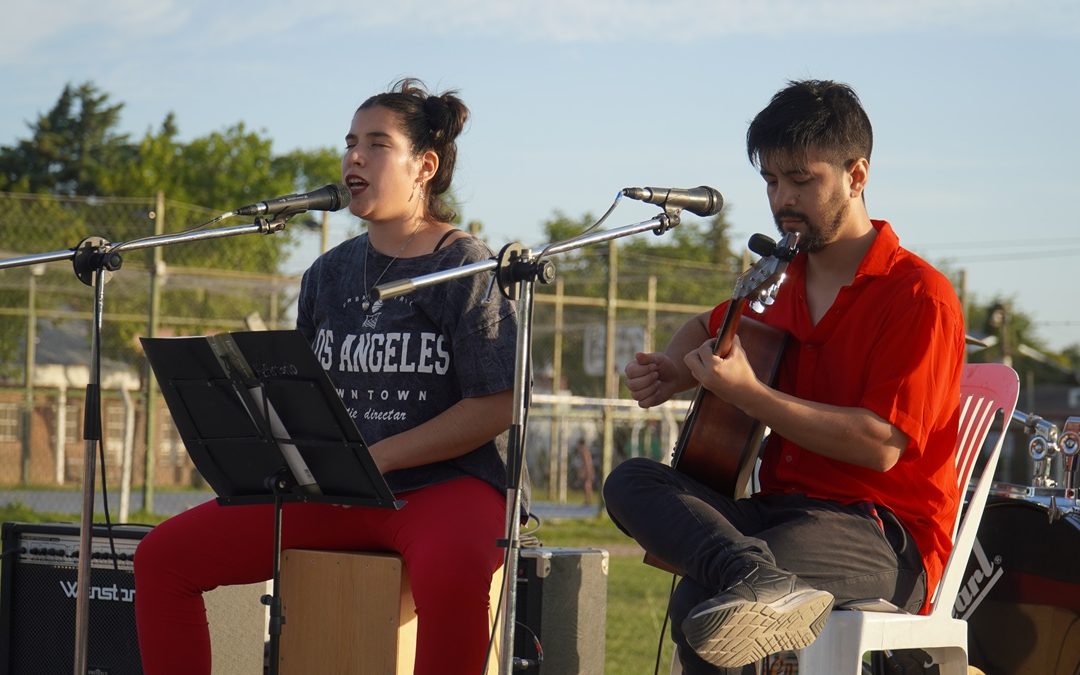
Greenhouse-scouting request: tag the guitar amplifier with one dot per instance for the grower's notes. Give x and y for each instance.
(562, 603)
(38, 590)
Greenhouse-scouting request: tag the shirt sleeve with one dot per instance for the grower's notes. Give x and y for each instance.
(484, 334)
(912, 382)
(305, 321)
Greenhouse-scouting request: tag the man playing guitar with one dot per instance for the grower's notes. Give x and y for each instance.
(858, 487)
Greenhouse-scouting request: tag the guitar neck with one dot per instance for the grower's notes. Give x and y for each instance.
(725, 336)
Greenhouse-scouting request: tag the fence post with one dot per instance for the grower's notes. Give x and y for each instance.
(556, 467)
(156, 271)
(61, 434)
(126, 457)
(611, 382)
(31, 351)
(650, 320)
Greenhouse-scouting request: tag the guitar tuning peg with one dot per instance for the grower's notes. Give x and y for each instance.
(762, 301)
(770, 295)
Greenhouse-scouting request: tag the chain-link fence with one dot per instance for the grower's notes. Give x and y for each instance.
(581, 422)
(46, 316)
(229, 284)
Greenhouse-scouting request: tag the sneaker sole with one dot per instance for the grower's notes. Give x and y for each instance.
(743, 632)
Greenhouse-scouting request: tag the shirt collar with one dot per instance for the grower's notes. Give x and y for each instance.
(882, 254)
(877, 262)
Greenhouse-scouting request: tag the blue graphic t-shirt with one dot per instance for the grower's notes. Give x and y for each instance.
(404, 360)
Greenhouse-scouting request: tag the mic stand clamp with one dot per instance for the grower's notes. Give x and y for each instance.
(267, 226)
(514, 266)
(669, 219)
(93, 254)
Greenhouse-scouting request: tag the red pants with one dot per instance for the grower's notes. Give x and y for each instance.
(446, 535)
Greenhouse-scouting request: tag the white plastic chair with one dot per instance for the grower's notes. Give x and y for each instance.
(985, 389)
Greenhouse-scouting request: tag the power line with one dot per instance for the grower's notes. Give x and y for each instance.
(999, 243)
(1015, 256)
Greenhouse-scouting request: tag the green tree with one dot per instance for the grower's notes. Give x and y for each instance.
(75, 149)
(90, 179)
(72, 148)
(1012, 336)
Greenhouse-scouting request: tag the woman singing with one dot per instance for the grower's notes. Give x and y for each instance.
(427, 378)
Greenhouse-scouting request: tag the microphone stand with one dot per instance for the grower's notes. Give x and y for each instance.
(94, 259)
(516, 272)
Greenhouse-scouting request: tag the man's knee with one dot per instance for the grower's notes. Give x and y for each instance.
(630, 475)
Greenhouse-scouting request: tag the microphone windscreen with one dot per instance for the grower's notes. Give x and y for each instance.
(342, 196)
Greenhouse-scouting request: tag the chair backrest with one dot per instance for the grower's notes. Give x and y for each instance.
(985, 390)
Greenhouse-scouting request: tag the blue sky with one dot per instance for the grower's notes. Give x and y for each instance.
(974, 104)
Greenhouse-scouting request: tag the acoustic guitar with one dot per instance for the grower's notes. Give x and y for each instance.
(719, 443)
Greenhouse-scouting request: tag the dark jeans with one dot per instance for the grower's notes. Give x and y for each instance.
(852, 551)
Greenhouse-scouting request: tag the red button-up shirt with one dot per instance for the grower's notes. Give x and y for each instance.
(892, 342)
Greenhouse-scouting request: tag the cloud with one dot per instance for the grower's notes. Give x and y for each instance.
(680, 20)
(29, 24)
(34, 25)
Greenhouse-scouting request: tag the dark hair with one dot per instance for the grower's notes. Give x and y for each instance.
(431, 122)
(819, 115)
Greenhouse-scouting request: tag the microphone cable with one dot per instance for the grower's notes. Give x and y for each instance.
(587, 230)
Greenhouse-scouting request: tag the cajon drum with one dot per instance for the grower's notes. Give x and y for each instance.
(352, 613)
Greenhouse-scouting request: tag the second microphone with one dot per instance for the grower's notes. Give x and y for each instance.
(701, 201)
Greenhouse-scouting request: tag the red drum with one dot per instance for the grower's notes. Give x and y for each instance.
(1021, 592)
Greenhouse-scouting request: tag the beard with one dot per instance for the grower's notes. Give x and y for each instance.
(818, 235)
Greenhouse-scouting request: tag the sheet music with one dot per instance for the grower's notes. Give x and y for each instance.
(233, 362)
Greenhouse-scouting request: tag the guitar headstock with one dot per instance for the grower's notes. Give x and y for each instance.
(760, 283)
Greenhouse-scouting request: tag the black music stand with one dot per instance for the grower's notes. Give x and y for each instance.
(263, 423)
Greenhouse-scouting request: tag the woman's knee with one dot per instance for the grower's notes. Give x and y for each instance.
(155, 553)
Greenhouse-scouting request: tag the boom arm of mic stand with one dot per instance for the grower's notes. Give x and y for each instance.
(260, 226)
(658, 225)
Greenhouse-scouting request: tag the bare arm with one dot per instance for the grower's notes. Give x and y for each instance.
(853, 435)
(655, 377)
(459, 429)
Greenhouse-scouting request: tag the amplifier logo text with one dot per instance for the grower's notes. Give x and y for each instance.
(113, 593)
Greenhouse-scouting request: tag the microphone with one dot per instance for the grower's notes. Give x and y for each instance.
(327, 198)
(701, 201)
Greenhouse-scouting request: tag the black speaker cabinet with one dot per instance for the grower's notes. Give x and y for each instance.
(38, 587)
(562, 602)
(37, 600)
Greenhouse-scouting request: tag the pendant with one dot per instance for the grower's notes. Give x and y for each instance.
(365, 304)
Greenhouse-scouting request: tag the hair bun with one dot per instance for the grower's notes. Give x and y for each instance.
(438, 114)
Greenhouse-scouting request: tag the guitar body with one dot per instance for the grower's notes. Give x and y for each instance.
(719, 443)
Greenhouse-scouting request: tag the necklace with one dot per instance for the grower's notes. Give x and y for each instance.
(365, 302)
